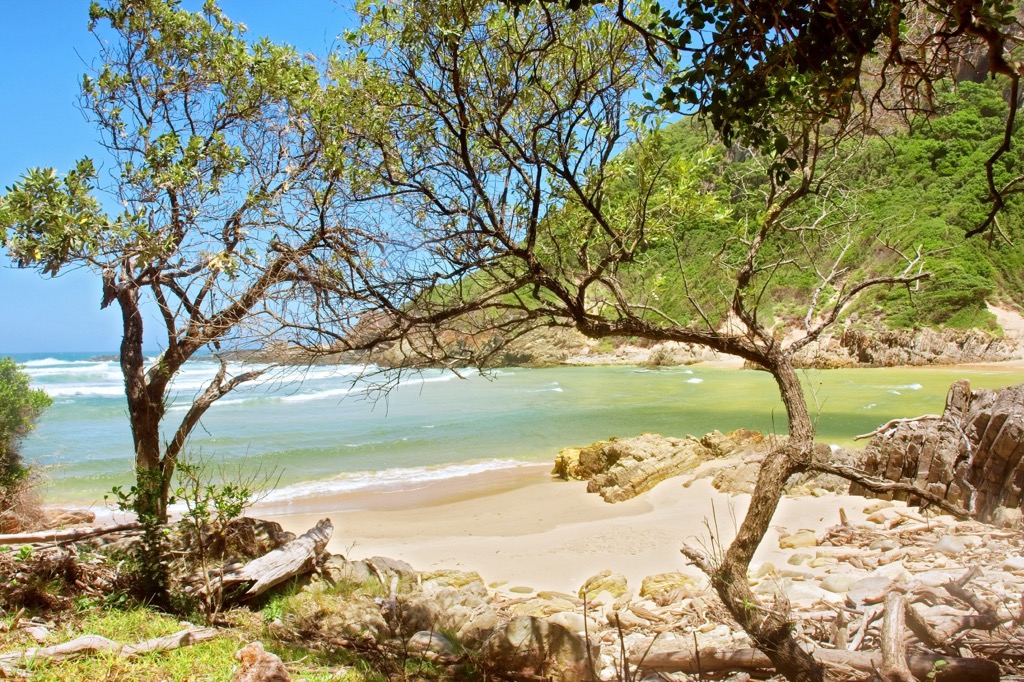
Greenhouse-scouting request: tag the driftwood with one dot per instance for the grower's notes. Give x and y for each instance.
(894, 652)
(895, 422)
(879, 485)
(62, 536)
(941, 668)
(93, 644)
(273, 568)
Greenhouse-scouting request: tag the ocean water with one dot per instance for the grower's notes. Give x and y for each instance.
(330, 429)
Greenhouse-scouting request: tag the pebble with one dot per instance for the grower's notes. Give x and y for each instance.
(877, 506)
(839, 582)
(801, 538)
(950, 544)
(870, 590)
(799, 558)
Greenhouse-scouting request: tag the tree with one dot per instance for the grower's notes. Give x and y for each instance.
(221, 206)
(753, 69)
(523, 190)
(20, 406)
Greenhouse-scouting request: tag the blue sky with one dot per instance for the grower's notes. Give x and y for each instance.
(44, 49)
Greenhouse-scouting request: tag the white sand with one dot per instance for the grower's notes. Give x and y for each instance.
(553, 535)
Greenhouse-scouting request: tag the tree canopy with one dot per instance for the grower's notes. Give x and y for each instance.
(212, 212)
(759, 72)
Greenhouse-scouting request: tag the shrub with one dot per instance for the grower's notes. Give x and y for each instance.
(20, 406)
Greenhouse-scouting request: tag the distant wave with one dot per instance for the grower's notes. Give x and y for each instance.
(85, 391)
(49, 362)
(695, 380)
(390, 479)
(318, 395)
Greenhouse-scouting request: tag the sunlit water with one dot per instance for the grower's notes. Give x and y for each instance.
(320, 431)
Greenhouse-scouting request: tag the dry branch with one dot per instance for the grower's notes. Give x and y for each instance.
(62, 536)
(93, 644)
(878, 485)
(945, 668)
(895, 422)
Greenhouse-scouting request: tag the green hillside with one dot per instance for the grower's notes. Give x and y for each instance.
(886, 200)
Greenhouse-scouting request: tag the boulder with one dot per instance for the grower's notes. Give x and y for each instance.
(856, 346)
(801, 538)
(605, 581)
(258, 665)
(430, 642)
(667, 588)
(533, 648)
(316, 613)
(338, 569)
(463, 612)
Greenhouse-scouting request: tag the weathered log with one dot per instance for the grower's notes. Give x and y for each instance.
(60, 536)
(924, 631)
(92, 644)
(945, 668)
(894, 652)
(273, 568)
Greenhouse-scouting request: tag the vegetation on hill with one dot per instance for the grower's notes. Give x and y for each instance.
(911, 195)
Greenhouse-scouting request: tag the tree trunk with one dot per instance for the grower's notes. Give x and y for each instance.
(770, 629)
(144, 413)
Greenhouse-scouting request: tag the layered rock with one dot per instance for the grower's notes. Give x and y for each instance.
(620, 469)
(972, 455)
(854, 347)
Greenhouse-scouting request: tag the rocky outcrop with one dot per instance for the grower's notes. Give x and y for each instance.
(972, 455)
(856, 347)
(620, 469)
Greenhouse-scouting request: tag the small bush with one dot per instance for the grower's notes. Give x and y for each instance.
(20, 406)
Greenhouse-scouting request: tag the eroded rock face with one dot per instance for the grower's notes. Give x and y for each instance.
(901, 347)
(972, 456)
(620, 469)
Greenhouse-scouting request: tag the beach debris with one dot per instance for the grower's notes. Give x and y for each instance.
(294, 558)
(924, 668)
(962, 612)
(259, 665)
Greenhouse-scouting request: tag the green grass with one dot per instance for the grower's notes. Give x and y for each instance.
(211, 661)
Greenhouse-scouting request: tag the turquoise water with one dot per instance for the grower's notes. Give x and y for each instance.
(322, 430)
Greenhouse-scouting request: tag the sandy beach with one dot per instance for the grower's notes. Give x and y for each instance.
(521, 528)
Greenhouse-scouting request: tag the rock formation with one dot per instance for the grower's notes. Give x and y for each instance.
(972, 455)
(619, 469)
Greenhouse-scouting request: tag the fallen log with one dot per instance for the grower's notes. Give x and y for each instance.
(273, 568)
(62, 536)
(924, 667)
(93, 644)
